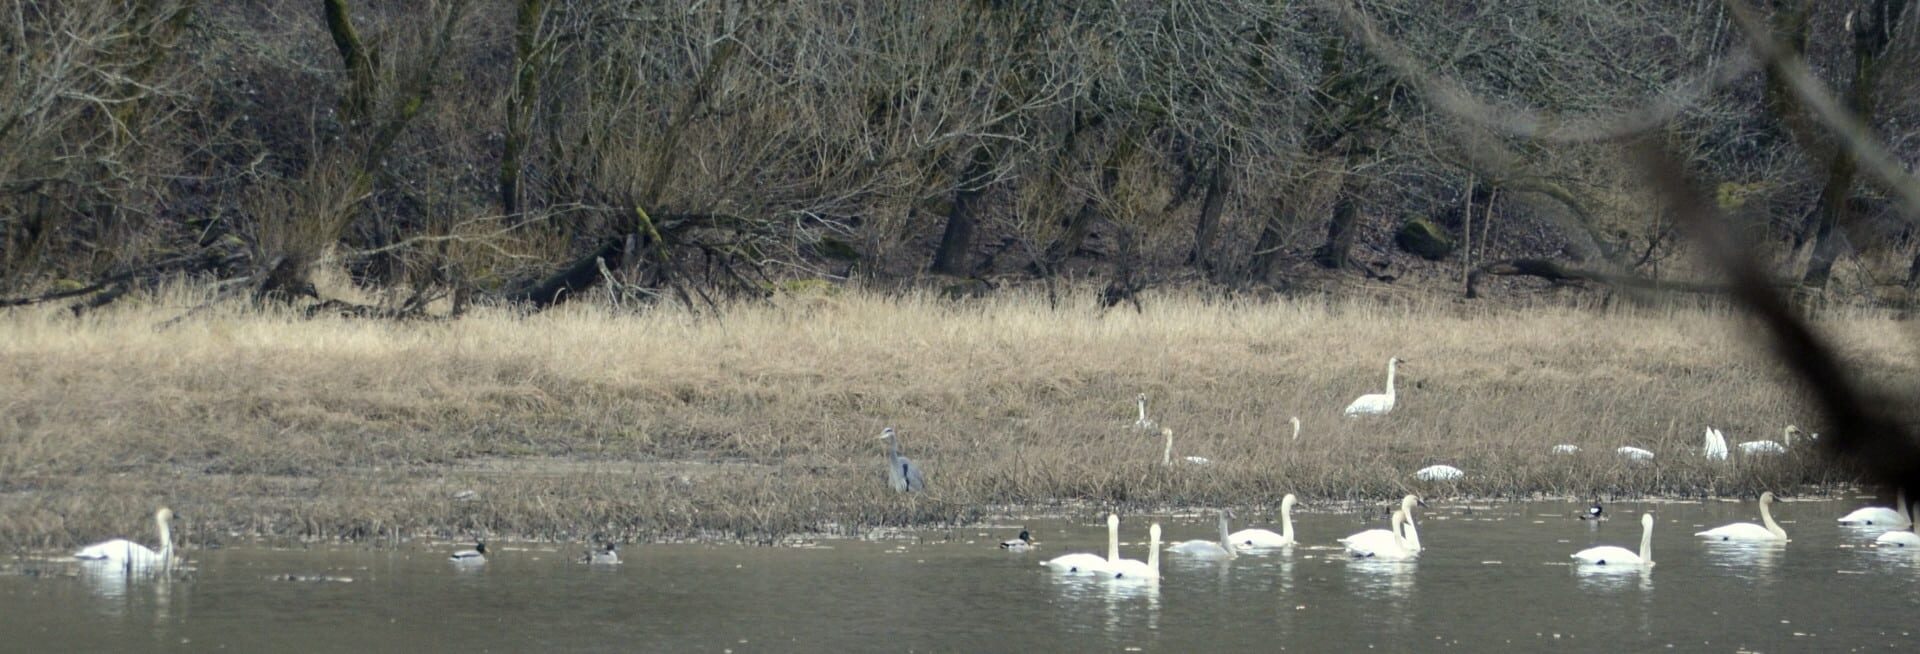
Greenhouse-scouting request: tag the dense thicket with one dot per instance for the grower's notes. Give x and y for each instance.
(531, 150)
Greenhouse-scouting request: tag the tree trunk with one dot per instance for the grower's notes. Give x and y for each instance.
(1872, 31)
(1341, 229)
(1218, 185)
(358, 103)
(950, 257)
(524, 95)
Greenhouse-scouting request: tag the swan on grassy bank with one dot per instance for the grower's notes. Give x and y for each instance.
(1612, 555)
(1439, 473)
(1770, 447)
(1166, 455)
(1376, 404)
(1142, 423)
(1747, 531)
(1634, 453)
(1715, 446)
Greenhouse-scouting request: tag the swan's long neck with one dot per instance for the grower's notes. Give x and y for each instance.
(1166, 455)
(1143, 409)
(1786, 436)
(1766, 518)
(166, 540)
(1286, 520)
(1113, 540)
(1225, 543)
(1391, 365)
(1153, 549)
(1412, 532)
(1900, 504)
(1296, 429)
(1646, 543)
(1400, 539)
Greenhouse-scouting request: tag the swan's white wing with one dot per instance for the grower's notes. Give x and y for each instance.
(118, 550)
(1200, 548)
(1439, 473)
(1874, 515)
(1367, 405)
(1898, 539)
(1566, 449)
(1257, 538)
(1738, 531)
(1132, 569)
(1762, 447)
(1078, 563)
(1607, 555)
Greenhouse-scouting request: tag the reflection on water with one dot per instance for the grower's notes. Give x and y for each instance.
(1492, 579)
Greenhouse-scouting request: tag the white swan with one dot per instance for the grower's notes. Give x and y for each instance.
(1715, 448)
(1090, 563)
(1398, 548)
(1125, 569)
(1747, 531)
(1296, 426)
(1615, 555)
(1880, 515)
(1901, 538)
(1264, 539)
(1378, 538)
(1166, 455)
(1634, 453)
(1376, 404)
(476, 555)
(1770, 447)
(1439, 473)
(1566, 449)
(1021, 543)
(1142, 423)
(1206, 549)
(131, 554)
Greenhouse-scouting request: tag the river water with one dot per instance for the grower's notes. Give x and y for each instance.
(1493, 578)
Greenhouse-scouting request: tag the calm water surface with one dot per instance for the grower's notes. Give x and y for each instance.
(1494, 578)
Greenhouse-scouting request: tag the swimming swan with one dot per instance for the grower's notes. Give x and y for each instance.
(1880, 515)
(1021, 543)
(1376, 404)
(1206, 549)
(1615, 555)
(1901, 538)
(1264, 539)
(1090, 563)
(1747, 531)
(1397, 549)
(1770, 447)
(1377, 538)
(1126, 569)
(476, 555)
(132, 554)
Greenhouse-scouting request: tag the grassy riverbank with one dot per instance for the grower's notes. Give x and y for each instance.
(657, 425)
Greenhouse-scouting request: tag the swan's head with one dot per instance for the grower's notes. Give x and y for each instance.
(1407, 503)
(1141, 398)
(163, 515)
(1790, 433)
(1288, 502)
(1113, 520)
(886, 433)
(1153, 532)
(1766, 498)
(1397, 361)
(1646, 521)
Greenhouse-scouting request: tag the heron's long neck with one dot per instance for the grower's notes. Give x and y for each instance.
(1646, 544)
(1166, 455)
(1766, 517)
(1286, 521)
(1113, 541)
(1390, 370)
(893, 447)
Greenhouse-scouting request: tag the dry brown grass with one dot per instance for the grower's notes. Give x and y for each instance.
(660, 424)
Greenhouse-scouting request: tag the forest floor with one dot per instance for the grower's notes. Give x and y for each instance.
(763, 422)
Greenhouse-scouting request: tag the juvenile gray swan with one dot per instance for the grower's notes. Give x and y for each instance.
(902, 473)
